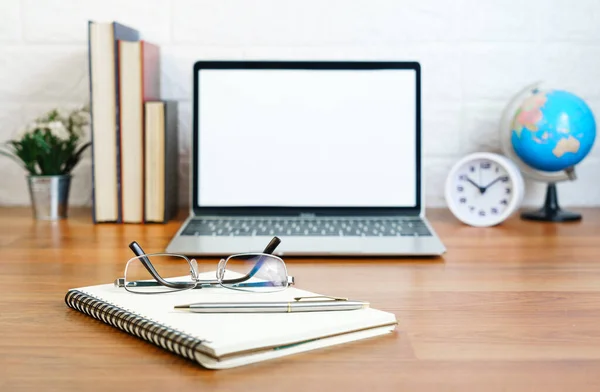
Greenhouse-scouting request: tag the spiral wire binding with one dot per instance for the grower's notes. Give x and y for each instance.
(167, 338)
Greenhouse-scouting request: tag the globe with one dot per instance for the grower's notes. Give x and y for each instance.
(547, 132)
(553, 131)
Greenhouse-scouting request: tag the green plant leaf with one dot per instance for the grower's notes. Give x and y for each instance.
(41, 141)
(13, 157)
(25, 150)
(82, 149)
(75, 158)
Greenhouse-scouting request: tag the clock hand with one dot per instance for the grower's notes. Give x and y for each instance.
(481, 190)
(492, 183)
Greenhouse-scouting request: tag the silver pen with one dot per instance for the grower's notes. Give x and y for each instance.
(299, 304)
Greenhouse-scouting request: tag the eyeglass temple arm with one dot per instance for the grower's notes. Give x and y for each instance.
(139, 252)
(269, 249)
(272, 245)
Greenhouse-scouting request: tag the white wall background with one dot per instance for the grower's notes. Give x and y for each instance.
(475, 54)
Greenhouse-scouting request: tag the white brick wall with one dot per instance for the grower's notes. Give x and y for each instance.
(475, 54)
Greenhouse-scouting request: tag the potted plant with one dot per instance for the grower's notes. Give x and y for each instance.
(48, 149)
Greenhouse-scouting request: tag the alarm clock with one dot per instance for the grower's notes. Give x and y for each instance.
(483, 189)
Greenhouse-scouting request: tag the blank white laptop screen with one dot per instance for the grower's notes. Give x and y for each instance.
(301, 138)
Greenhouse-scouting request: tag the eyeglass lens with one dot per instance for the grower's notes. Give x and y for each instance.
(254, 272)
(175, 270)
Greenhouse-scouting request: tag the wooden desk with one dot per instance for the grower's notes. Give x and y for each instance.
(516, 307)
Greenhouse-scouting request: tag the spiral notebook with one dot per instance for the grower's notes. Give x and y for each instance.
(220, 341)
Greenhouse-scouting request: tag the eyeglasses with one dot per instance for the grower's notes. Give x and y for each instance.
(157, 273)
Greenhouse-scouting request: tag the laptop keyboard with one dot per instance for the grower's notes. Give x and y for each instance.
(307, 227)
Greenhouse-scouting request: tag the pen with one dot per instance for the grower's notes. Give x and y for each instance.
(274, 307)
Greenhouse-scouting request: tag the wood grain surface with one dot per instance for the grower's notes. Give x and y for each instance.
(510, 308)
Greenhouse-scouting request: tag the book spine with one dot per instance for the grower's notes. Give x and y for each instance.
(150, 62)
(167, 338)
(125, 33)
(89, 48)
(118, 130)
(171, 160)
(143, 50)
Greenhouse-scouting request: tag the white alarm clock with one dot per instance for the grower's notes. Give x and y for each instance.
(483, 189)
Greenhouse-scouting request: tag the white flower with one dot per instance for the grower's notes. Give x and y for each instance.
(80, 119)
(77, 119)
(58, 129)
(29, 128)
(36, 125)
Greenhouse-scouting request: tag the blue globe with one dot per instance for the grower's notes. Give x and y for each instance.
(553, 130)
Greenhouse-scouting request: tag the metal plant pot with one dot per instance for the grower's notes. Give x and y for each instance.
(49, 196)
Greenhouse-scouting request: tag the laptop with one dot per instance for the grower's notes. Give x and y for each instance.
(325, 155)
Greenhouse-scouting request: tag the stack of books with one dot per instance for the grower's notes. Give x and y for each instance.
(134, 131)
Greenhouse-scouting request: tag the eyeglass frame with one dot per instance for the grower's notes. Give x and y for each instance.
(199, 283)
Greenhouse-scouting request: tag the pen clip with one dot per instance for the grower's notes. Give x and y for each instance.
(298, 299)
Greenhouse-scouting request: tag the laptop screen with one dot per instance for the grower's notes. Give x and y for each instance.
(306, 137)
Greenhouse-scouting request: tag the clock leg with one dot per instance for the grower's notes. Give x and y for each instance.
(551, 211)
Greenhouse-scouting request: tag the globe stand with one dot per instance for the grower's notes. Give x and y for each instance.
(551, 211)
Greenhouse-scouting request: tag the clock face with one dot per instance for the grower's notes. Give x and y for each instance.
(481, 192)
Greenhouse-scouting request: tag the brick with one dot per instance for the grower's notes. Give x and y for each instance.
(10, 120)
(16, 193)
(312, 22)
(81, 184)
(44, 74)
(507, 20)
(441, 129)
(185, 129)
(535, 192)
(177, 67)
(69, 18)
(435, 172)
(568, 21)
(585, 190)
(481, 128)
(441, 72)
(571, 67)
(498, 71)
(10, 18)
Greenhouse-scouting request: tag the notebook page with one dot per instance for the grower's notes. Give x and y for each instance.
(229, 333)
(264, 355)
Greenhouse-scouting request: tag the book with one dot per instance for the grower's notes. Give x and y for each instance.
(161, 154)
(104, 107)
(139, 81)
(226, 340)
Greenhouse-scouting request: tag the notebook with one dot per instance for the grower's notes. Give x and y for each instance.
(220, 341)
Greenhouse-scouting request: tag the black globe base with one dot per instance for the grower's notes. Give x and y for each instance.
(551, 211)
(553, 216)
